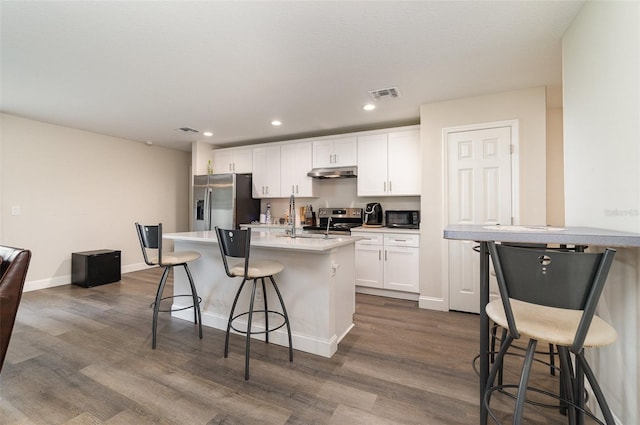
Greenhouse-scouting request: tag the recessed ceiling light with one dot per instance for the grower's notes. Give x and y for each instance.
(207, 133)
(148, 143)
(276, 123)
(369, 107)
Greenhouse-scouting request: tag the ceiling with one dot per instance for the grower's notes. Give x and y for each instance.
(140, 70)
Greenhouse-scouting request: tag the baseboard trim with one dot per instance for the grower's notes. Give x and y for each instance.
(593, 406)
(431, 303)
(387, 293)
(35, 285)
(318, 346)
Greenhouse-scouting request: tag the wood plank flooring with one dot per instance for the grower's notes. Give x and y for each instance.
(83, 356)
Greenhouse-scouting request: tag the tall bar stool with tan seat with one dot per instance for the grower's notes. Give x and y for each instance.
(549, 295)
(150, 237)
(236, 244)
(551, 353)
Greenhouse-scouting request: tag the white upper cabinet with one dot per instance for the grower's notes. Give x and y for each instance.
(296, 162)
(403, 163)
(372, 165)
(233, 160)
(266, 172)
(335, 152)
(389, 164)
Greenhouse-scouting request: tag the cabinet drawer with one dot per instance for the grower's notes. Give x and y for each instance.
(369, 238)
(401, 239)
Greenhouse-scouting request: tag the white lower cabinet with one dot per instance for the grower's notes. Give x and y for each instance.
(388, 261)
(402, 262)
(369, 260)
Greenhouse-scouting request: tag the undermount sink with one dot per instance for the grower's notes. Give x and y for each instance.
(309, 236)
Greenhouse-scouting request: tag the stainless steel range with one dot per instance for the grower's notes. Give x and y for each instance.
(339, 221)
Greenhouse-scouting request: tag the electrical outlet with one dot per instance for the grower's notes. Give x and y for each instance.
(334, 268)
(15, 210)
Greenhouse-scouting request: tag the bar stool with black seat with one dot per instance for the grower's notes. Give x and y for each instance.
(551, 296)
(150, 237)
(236, 244)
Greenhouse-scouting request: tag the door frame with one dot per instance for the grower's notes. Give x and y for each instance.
(515, 185)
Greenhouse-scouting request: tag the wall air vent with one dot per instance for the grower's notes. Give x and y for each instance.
(385, 94)
(187, 130)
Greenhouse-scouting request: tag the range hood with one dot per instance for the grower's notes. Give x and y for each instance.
(333, 173)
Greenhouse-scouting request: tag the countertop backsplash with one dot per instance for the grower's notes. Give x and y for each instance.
(340, 193)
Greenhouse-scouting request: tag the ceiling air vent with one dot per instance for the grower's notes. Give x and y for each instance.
(187, 130)
(385, 94)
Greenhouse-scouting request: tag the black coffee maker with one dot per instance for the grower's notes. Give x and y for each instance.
(373, 215)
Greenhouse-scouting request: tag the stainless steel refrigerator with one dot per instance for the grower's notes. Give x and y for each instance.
(223, 200)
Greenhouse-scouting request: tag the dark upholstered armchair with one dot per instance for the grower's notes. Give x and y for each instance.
(13, 271)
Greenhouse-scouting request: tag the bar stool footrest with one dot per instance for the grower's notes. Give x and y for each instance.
(250, 332)
(501, 390)
(168, 310)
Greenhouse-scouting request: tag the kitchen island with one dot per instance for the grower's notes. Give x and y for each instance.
(317, 284)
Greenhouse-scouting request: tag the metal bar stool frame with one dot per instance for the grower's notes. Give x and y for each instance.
(552, 352)
(569, 282)
(150, 237)
(237, 244)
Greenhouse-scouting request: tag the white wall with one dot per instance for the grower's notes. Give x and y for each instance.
(555, 168)
(201, 154)
(80, 191)
(529, 107)
(601, 66)
(602, 124)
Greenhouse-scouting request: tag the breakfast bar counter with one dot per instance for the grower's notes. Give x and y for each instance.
(317, 284)
(580, 237)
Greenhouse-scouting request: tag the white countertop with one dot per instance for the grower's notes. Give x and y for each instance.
(542, 234)
(305, 242)
(282, 227)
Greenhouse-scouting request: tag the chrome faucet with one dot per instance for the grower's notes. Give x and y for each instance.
(326, 235)
(292, 214)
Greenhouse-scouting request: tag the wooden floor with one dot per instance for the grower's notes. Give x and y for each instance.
(83, 356)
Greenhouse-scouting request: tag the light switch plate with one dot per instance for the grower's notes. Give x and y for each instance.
(15, 210)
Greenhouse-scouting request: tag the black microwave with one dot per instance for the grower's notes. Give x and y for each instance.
(405, 219)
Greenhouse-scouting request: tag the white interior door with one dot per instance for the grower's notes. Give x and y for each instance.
(479, 192)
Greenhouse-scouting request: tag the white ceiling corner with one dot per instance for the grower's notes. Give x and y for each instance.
(139, 70)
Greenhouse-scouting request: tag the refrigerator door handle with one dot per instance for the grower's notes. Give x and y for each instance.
(207, 209)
